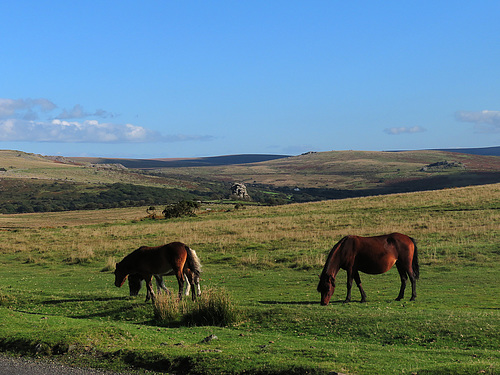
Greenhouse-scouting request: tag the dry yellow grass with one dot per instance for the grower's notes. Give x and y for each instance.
(448, 222)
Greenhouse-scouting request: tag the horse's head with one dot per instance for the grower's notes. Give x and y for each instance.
(326, 287)
(120, 275)
(134, 284)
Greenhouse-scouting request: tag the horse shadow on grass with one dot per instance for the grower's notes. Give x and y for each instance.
(84, 299)
(115, 311)
(296, 303)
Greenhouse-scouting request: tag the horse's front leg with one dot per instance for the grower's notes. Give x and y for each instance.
(358, 283)
(149, 289)
(160, 285)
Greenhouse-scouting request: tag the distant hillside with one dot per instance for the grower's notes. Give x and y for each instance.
(340, 174)
(491, 151)
(179, 163)
(30, 182)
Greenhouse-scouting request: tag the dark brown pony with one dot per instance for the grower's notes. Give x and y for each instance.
(372, 255)
(148, 261)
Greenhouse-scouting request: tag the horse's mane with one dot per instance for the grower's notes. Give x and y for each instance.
(329, 259)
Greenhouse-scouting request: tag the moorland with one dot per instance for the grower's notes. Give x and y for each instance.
(35, 183)
(58, 299)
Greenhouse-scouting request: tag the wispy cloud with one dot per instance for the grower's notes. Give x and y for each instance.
(20, 122)
(404, 130)
(24, 108)
(77, 112)
(484, 121)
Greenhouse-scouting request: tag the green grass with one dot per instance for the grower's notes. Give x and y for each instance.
(268, 260)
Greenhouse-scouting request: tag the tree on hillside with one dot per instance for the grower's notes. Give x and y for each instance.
(180, 209)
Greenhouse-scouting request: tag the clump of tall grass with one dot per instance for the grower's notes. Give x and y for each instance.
(81, 256)
(168, 308)
(309, 261)
(6, 299)
(213, 308)
(110, 265)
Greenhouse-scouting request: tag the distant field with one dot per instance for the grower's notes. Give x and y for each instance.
(58, 297)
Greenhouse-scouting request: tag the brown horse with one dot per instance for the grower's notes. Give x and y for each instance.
(158, 260)
(372, 255)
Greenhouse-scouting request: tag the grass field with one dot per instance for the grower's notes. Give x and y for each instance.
(57, 296)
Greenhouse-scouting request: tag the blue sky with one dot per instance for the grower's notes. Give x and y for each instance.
(162, 78)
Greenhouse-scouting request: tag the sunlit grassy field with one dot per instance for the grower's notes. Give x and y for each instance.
(57, 296)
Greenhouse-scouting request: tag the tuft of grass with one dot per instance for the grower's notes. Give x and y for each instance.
(110, 265)
(81, 255)
(309, 261)
(213, 308)
(6, 300)
(168, 308)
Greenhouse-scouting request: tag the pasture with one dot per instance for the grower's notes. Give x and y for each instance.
(58, 299)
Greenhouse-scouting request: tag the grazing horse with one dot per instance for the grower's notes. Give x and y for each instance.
(147, 261)
(372, 255)
(135, 283)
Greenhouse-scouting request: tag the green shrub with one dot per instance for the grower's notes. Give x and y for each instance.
(180, 209)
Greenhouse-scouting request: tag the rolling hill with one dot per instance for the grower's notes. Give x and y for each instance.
(31, 182)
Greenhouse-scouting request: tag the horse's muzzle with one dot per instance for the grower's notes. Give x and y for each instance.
(119, 283)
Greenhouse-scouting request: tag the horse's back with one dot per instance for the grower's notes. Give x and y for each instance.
(378, 254)
(159, 259)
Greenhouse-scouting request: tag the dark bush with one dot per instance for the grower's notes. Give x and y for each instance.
(180, 209)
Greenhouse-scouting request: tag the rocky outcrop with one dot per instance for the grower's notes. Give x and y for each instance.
(239, 191)
(440, 165)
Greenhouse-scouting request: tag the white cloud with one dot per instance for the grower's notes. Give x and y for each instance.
(485, 121)
(404, 130)
(19, 122)
(89, 131)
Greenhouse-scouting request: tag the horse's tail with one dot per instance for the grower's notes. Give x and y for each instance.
(193, 261)
(416, 268)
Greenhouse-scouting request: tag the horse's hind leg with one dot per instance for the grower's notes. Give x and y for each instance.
(188, 285)
(404, 278)
(413, 281)
(180, 280)
(349, 286)
(358, 283)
